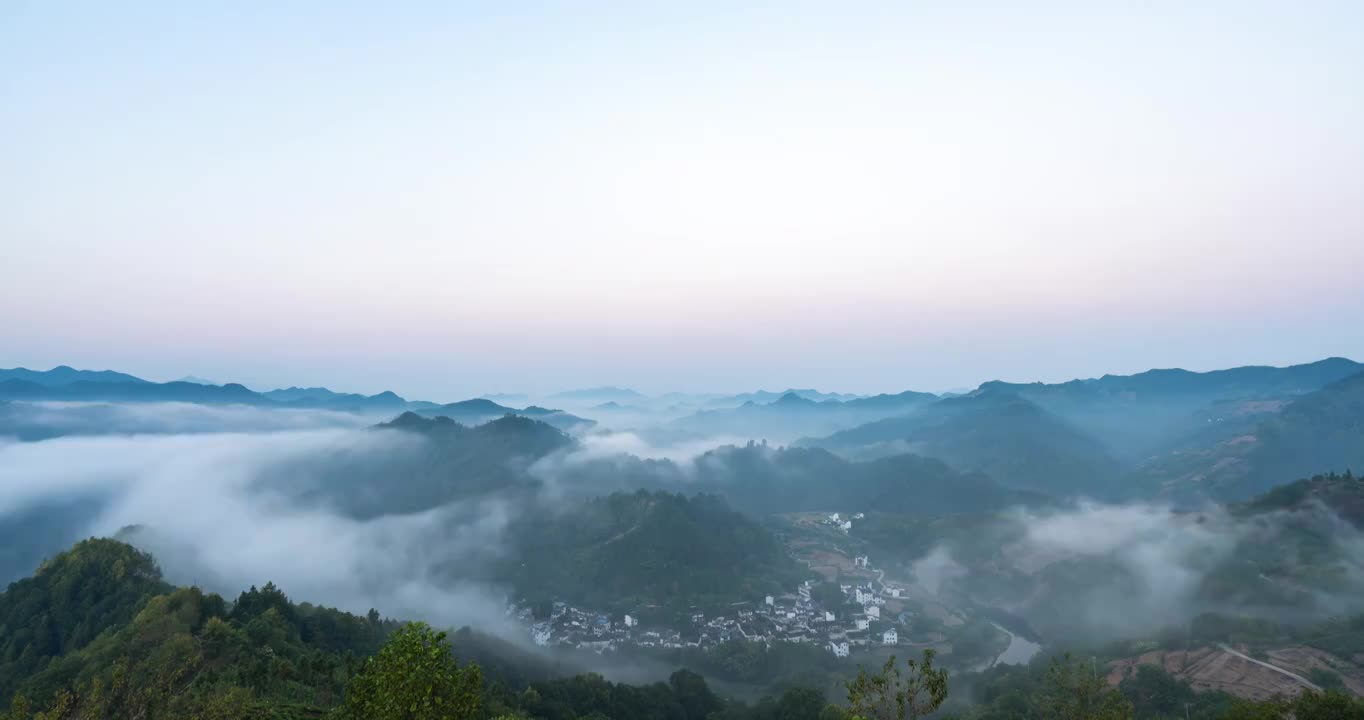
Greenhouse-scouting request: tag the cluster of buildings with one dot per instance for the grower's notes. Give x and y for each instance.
(842, 523)
(795, 617)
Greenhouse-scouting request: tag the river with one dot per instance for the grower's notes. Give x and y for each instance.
(1019, 651)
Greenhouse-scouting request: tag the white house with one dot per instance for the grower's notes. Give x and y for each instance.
(873, 612)
(833, 517)
(847, 526)
(895, 592)
(860, 561)
(858, 516)
(630, 622)
(840, 649)
(540, 634)
(769, 600)
(828, 616)
(862, 623)
(890, 637)
(861, 597)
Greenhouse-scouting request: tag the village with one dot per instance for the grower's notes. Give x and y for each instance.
(856, 616)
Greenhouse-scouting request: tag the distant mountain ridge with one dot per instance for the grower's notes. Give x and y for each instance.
(793, 415)
(599, 394)
(70, 385)
(1136, 415)
(65, 375)
(1238, 380)
(1223, 434)
(765, 397)
(1322, 431)
(994, 431)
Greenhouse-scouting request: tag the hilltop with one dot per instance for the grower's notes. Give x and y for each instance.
(650, 553)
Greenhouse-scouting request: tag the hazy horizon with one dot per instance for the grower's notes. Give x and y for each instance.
(644, 390)
(454, 200)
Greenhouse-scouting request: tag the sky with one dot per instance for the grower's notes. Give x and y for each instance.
(454, 198)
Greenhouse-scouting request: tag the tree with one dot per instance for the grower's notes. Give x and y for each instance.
(1329, 705)
(1076, 691)
(414, 677)
(892, 696)
(800, 704)
(692, 693)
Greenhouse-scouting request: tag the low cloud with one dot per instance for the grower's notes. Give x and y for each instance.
(1094, 572)
(44, 420)
(605, 462)
(208, 507)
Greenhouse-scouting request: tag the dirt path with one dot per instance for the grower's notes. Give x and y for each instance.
(1275, 668)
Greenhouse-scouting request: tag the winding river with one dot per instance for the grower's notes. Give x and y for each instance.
(1019, 651)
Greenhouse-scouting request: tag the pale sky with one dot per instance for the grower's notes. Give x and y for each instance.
(446, 199)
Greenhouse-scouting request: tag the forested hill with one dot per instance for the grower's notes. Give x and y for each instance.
(1340, 493)
(71, 600)
(97, 634)
(520, 455)
(451, 462)
(760, 480)
(994, 431)
(646, 553)
(1136, 415)
(1318, 432)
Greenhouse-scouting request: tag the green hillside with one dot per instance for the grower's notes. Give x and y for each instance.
(646, 553)
(999, 433)
(1320, 431)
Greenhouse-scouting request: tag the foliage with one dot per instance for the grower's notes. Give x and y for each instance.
(1310, 705)
(414, 677)
(68, 602)
(1075, 690)
(889, 695)
(628, 551)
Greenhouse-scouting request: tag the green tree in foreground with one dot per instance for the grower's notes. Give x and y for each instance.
(1075, 690)
(414, 677)
(890, 695)
(1309, 705)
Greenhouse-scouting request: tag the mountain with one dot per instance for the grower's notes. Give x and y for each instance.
(1319, 431)
(764, 397)
(598, 395)
(793, 415)
(140, 391)
(481, 410)
(476, 408)
(993, 431)
(196, 380)
(111, 389)
(452, 462)
(294, 394)
(68, 603)
(1136, 416)
(761, 480)
(98, 622)
(96, 634)
(647, 553)
(1342, 494)
(517, 456)
(193, 392)
(506, 397)
(64, 375)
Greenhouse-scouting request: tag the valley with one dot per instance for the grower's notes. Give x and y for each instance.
(997, 530)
